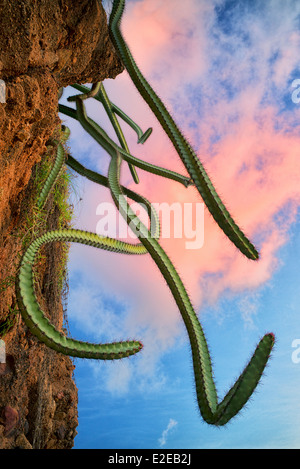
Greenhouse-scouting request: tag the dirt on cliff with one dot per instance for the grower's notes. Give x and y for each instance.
(44, 46)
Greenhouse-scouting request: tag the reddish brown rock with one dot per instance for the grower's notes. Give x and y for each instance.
(44, 45)
(11, 419)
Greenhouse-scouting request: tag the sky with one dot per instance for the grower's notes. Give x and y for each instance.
(229, 73)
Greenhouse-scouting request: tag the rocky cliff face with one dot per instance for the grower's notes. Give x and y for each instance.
(44, 45)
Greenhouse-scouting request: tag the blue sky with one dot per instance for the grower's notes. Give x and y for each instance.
(230, 68)
(139, 418)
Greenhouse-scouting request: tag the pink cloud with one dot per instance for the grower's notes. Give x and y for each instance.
(256, 178)
(254, 166)
(161, 31)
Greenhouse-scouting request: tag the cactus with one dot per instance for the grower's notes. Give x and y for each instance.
(213, 411)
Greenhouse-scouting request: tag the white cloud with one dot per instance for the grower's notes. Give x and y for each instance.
(101, 314)
(163, 439)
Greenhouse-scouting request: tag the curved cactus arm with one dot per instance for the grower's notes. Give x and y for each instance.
(98, 89)
(64, 134)
(35, 318)
(211, 411)
(56, 170)
(99, 179)
(88, 93)
(245, 385)
(102, 180)
(110, 146)
(32, 314)
(52, 178)
(142, 136)
(183, 148)
(115, 123)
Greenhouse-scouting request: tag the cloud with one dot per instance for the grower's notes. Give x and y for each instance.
(248, 145)
(163, 439)
(225, 73)
(97, 313)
